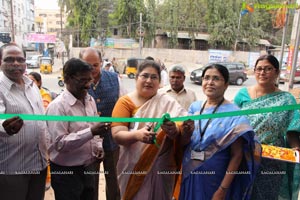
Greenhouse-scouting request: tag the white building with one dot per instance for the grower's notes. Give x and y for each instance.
(23, 18)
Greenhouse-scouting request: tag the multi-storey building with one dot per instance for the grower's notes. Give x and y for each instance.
(19, 13)
(50, 21)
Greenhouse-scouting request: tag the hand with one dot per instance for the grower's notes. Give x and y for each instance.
(170, 129)
(296, 148)
(100, 129)
(13, 125)
(219, 194)
(145, 135)
(188, 127)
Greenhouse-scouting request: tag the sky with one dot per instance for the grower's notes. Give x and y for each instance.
(46, 4)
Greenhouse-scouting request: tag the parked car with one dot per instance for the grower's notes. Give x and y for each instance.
(33, 61)
(284, 75)
(237, 73)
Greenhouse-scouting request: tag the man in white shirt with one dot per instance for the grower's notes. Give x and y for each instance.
(177, 90)
(22, 143)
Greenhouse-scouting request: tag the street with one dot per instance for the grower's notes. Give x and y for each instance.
(50, 81)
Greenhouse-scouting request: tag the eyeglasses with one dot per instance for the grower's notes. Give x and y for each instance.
(83, 80)
(265, 70)
(13, 59)
(145, 76)
(213, 78)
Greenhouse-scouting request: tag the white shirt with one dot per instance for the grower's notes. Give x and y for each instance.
(26, 151)
(164, 78)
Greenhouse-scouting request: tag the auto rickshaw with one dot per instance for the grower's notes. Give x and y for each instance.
(131, 67)
(46, 65)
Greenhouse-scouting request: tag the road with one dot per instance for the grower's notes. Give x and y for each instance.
(50, 81)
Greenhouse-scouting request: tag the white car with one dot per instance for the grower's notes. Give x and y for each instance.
(33, 61)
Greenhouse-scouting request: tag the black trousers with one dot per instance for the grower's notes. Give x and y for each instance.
(76, 182)
(29, 186)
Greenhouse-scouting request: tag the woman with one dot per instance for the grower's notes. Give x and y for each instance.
(147, 170)
(46, 96)
(219, 161)
(272, 129)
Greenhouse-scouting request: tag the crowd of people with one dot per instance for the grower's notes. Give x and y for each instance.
(215, 158)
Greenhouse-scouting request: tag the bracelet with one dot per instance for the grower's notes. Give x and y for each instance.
(223, 188)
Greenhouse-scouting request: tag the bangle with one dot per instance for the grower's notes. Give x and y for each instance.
(223, 188)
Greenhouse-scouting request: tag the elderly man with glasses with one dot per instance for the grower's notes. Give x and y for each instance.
(22, 143)
(75, 147)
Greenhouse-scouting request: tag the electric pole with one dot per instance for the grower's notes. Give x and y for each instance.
(140, 38)
(294, 48)
(12, 21)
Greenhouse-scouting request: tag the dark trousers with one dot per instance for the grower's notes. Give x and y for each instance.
(23, 186)
(76, 182)
(110, 168)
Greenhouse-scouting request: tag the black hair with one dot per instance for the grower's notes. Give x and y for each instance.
(74, 66)
(271, 59)
(149, 58)
(7, 45)
(149, 63)
(36, 76)
(221, 68)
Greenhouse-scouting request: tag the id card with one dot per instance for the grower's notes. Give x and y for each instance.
(197, 155)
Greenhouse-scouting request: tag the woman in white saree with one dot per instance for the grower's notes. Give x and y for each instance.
(147, 170)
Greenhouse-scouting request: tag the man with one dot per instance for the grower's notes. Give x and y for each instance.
(176, 89)
(22, 143)
(75, 147)
(164, 75)
(106, 90)
(107, 66)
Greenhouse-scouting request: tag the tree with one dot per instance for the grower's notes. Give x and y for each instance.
(128, 13)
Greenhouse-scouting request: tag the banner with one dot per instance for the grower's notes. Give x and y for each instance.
(41, 38)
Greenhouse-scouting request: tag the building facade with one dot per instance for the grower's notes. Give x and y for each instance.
(20, 14)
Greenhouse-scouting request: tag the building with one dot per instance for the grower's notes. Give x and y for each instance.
(50, 21)
(22, 18)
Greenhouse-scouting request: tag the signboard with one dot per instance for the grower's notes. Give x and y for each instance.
(41, 38)
(115, 43)
(219, 55)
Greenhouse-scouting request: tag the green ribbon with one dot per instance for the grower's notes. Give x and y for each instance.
(158, 120)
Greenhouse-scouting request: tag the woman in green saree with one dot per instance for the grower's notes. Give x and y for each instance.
(276, 179)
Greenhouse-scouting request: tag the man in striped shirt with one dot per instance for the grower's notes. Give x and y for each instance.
(22, 143)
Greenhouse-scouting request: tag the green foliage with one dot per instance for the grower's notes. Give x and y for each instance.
(218, 18)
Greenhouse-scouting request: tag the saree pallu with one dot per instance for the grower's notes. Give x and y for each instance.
(276, 179)
(201, 179)
(144, 170)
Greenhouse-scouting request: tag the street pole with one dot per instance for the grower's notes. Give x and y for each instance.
(284, 36)
(140, 38)
(295, 36)
(12, 21)
(236, 39)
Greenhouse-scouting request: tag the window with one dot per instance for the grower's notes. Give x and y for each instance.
(231, 67)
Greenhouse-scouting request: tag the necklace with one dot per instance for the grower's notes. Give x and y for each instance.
(96, 85)
(202, 132)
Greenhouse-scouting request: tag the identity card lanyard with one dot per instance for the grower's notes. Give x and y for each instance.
(208, 122)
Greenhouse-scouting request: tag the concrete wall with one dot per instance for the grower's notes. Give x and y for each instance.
(190, 59)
